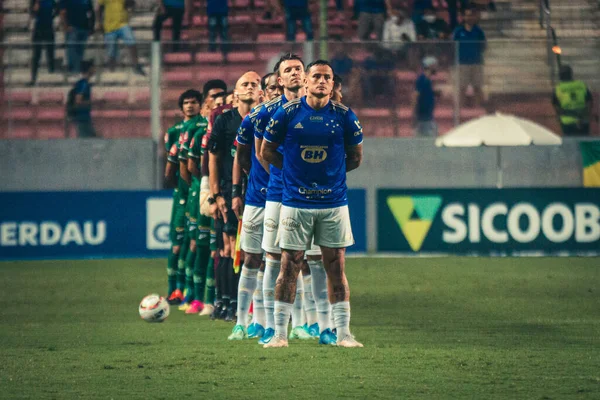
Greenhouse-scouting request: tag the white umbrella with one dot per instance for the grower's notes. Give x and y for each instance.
(499, 130)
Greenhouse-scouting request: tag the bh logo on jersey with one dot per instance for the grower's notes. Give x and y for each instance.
(158, 216)
(314, 154)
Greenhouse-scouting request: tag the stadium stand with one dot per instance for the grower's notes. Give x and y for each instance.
(517, 74)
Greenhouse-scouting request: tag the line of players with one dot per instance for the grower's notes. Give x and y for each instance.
(208, 162)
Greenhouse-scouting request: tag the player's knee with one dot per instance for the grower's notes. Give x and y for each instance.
(176, 249)
(192, 245)
(252, 261)
(305, 268)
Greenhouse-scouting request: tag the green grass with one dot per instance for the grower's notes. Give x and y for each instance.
(472, 328)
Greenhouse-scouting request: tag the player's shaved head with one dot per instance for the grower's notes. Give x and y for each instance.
(247, 88)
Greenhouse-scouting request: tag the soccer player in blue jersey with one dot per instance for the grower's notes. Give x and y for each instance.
(321, 141)
(290, 76)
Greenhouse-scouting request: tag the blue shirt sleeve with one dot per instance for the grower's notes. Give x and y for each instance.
(419, 84)
(261, 122)
(245, 133)
(353, 133)
(275, 131)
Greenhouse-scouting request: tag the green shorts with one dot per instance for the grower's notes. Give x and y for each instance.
(192, 211)
(177, 230)
(204, 232)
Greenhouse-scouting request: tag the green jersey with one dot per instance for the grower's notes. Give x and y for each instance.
(195, 150)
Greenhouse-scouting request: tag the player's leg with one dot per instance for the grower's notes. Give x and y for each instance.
(251, 239)
(200, 264)
(294, 235)
(298, 331)
(177, 238)
(232, 275)
(309, 305)
(209, 291)
(334, 233)
(257, 327)
(272, 266)
(192, 212)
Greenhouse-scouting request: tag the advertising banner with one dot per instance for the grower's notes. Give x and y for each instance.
(55, 225)
(489, 221)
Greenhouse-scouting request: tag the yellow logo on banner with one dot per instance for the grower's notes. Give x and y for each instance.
(414, 215)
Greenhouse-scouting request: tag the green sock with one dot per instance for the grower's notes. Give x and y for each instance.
(209, 293)
(185, 246)
(172, 271)
(189, 275)
(200, 266)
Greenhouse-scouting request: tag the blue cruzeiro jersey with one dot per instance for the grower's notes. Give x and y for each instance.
(258, 181)
(314, 156)
(275, 190)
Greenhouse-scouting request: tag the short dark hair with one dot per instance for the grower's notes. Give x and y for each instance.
(86, 65)
(263, 81)
(319, 62)
(565, 73)
(213, 84)
(337, 80)
(287, 57)
(471, 8)
(190, 94)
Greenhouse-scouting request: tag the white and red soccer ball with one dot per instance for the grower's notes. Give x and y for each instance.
(154, 308)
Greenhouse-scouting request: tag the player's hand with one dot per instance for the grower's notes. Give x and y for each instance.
(237, 205)
(222, 207)
(214, 211)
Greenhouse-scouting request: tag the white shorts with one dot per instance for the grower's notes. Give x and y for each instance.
(329, 226)
(271, 225)
(252, 229)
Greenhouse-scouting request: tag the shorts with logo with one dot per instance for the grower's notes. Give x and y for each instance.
(192, 211)
(177, 230)
(252, 229)
(204, 232)
(329, 226)
(271, 224)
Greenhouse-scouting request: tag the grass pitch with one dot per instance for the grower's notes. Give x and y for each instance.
(443, 328)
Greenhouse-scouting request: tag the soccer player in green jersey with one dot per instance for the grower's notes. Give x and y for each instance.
(177, 226)
(193, 123)
(189, 103)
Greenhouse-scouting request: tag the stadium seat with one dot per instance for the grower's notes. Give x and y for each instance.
(209, 58)
(18, 97)
(51, 97)
(178, 77)
(178, 58)
(50, 114)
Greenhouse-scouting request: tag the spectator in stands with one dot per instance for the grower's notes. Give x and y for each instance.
(371, 17)
(81, 98)
(174, 9)
(272, 7)
(419, 7)
(43, 13)
(378, 79)
(431, 26)
(78, 19)
(572, 101)
(453, 11)
(113, 20)
(297, 10)
(398, 31)
(471, 43)
(423, 100)
(218, 13)
(269, 85)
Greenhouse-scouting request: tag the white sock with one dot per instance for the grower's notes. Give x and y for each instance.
(341, 313)
(331, 317)
(259, 306)
(319, 290)
(310, 307)
(297, 310)
(245, 290)
(282, 318)
(269, 280)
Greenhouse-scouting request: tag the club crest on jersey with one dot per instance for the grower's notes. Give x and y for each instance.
(314, 154)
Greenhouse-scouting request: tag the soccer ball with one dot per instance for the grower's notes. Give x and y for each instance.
(154, 308)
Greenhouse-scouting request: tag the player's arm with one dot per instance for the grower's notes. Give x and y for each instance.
(353, 139)
(274, 136)
(183, 162)
(237, 202)
(170, 180)
(243, 153)
(257, 148)
(215, 146)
